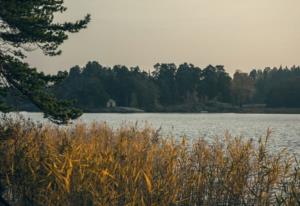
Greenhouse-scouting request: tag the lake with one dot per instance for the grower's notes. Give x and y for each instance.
(285, 127)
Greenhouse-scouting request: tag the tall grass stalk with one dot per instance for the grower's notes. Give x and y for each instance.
(94, 165)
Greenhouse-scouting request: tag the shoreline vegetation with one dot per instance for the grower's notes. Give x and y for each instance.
(95, 165)
(172, 88)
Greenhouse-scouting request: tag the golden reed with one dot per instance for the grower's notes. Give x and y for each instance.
(94, 165)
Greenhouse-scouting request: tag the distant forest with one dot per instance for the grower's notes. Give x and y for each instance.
(183, 88)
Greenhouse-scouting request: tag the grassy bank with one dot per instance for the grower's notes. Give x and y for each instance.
(46, 165)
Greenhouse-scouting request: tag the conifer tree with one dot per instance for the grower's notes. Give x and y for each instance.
(26, 25)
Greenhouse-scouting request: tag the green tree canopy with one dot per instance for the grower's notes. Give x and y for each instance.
(26, 25)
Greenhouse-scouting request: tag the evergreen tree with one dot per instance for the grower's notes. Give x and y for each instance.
(26, 25)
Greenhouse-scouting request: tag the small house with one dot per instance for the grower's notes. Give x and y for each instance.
(111, 103)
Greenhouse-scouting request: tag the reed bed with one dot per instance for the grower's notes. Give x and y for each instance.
(94, 165)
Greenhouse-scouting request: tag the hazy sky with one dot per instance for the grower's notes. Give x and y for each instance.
(240, 34)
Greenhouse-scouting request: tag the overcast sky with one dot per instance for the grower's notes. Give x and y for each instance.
(240, 34)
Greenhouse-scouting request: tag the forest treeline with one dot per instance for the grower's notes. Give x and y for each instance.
(185, 87)
(172, 88)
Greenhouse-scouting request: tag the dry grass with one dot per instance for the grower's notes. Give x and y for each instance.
(46, 165)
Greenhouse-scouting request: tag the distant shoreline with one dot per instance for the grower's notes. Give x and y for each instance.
(126, 110)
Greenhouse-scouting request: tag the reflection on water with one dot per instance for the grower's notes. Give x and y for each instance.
(285, 127)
